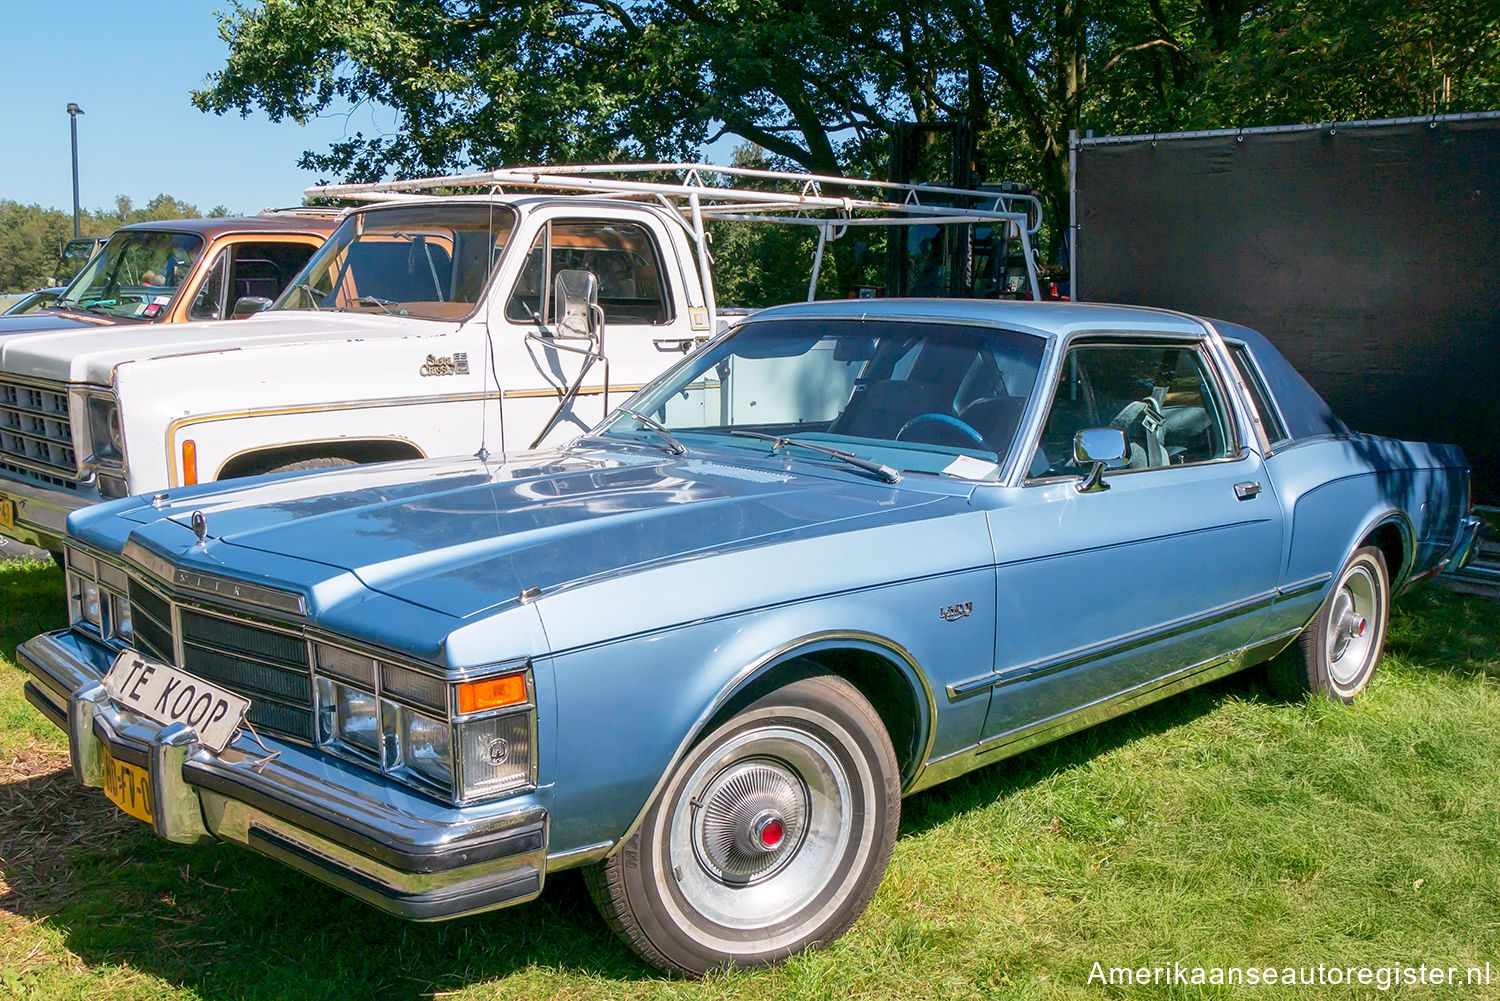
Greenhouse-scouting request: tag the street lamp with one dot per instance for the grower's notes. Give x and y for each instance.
(73, 112)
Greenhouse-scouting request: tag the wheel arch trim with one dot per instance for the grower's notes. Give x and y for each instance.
(894, 653)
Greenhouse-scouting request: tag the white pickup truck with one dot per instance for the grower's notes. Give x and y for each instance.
(427, 325)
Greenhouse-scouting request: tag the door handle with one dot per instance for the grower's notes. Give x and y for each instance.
(683, 344)
(1247, 490)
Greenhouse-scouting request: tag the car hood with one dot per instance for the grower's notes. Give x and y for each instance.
(465, 536)
(80, 354)
(47, 320)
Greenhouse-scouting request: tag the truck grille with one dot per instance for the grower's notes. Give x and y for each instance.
(35, 429)
(269, 667)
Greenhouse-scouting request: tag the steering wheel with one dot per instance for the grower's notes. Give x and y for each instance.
(943, 420)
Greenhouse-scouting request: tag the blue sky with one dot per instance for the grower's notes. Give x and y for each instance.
(131, 68)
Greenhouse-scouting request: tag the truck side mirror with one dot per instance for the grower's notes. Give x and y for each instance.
(575, 305)
(1100, 449)
(248, 305)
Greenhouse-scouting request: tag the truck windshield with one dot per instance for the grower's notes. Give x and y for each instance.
(136, 274)
(424, 260)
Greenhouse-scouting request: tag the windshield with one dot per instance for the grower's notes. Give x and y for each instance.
(917, 396)
(137, 274)
(425, 260)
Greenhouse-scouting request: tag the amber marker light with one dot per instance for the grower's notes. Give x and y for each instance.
(492, 693)
(189, 461)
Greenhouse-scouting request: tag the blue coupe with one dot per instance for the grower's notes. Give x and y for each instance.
(842, 552)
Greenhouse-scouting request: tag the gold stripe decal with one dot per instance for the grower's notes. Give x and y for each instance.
(557, 394)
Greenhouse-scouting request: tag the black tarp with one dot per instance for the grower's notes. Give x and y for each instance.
(1368, 253)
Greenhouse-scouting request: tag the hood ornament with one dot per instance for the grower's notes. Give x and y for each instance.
(200, 526)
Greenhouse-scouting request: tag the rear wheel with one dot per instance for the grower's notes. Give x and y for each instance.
(769, 837)
(1337, 653)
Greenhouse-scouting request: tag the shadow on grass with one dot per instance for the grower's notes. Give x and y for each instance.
(1441, 630)
(227, 923)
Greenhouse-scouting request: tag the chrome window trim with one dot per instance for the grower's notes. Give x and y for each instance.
(1201, 344)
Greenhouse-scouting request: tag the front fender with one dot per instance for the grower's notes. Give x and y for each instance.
(628, 709)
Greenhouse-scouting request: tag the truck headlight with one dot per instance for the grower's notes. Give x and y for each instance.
(106, 435)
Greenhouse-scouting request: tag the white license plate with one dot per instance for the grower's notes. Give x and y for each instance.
(165, 694)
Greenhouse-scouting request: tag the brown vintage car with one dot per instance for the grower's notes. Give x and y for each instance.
(187, 269)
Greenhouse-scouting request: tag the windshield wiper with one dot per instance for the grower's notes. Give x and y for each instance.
(880, 469)
(385, 304)
(673, 445)
(311, 293)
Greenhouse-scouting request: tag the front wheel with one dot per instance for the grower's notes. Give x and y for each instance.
(1337, 653)
(768, 838)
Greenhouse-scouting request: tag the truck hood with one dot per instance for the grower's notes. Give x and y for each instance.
(84, 353)
(462, 536)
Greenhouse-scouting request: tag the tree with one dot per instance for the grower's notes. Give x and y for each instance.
(821, 84)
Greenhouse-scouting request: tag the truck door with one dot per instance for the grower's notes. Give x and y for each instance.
(646, 325)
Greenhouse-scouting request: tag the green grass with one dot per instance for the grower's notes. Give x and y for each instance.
(1221, 827)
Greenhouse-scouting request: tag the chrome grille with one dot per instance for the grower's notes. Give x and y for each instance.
(269, 667)
(35, 429)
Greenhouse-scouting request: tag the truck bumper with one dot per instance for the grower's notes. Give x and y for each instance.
(41, 512)
(340, 824)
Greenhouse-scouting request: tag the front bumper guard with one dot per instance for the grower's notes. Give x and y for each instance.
(390, 847)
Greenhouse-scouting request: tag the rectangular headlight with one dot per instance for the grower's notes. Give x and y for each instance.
(418, 745)
(348, 716)
(120, 626)
(84, 602)
(106, 436)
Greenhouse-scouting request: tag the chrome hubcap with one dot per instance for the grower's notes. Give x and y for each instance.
(751, 819)
(759, 834)
(1351, 640)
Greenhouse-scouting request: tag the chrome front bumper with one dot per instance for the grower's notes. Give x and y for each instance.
(330, 819)
(42, 511)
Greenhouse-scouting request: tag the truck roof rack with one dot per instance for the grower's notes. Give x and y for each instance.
(697, 192)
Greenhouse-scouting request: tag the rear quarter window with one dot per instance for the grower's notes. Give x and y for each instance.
(1260, 399)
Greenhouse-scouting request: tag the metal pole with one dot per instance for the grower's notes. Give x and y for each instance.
(73, 112)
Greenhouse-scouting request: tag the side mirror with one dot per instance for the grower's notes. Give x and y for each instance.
(248, 305)
(575, 305)
(1099, 449)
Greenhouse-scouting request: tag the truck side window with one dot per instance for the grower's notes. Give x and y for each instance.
(1162, 397)
(621, 254)
(265, 269)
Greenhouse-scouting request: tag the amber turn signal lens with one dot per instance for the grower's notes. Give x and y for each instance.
(189, 462)
(492, 693)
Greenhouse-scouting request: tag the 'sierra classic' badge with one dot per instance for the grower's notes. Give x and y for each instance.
(955, 612)
(456, 365)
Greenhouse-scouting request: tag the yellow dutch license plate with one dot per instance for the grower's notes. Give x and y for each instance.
(7, 513)
(128, 787)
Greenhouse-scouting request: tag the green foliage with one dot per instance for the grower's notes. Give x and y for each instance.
(31, 237)
(821, 84)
